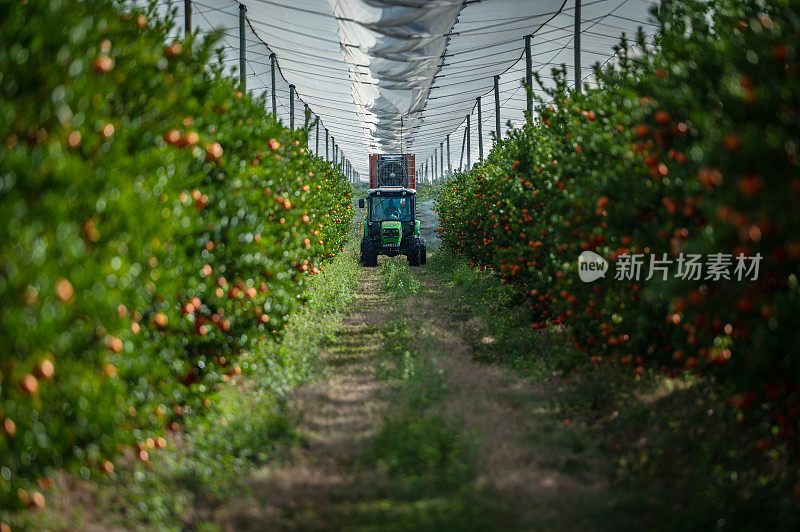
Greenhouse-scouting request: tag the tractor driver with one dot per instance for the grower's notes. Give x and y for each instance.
(395, 208)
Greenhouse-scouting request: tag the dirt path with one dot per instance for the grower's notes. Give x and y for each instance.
(339, 415)
(537, 471)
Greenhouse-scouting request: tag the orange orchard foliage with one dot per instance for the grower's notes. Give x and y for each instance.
(689, 150)
(143, 252)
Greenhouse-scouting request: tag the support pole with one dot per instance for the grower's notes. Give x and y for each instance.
(327, 157)
(187, 17)
(272, 60)
(469, 134)
(463, 144)
(242, 62)
(497, 108)
(316, 146)
(480, 131)
(577, 42)
(291, 107)
(449, 164)
(529, 75)
(307, 118)
(441, 161)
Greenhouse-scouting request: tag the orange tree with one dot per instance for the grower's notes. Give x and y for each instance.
(688, 148)
(157, 224)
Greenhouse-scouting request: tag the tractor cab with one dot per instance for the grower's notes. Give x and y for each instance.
(391, 227)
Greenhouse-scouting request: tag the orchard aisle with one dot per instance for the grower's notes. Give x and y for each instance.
(408, 431)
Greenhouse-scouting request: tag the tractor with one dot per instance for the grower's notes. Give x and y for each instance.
(391, 227)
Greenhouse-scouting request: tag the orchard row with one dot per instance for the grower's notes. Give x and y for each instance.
(688, 145)
(157, 223)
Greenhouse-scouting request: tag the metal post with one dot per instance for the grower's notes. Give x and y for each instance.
(469, 134)
(316, 146)
(529, 75)
(187, 17)
(497, 107)
(433, 176)
(449, 164)
(272, 60)
(480, 131)
(463, 144)
(327, 158)
(291, 106)
(426, 171)
(242, 63)
(307, 118)
(441, 160)
(577, 41)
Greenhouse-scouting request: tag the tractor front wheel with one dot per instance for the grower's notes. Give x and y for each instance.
(368, 257)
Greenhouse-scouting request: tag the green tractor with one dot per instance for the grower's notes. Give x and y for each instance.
(391, 227)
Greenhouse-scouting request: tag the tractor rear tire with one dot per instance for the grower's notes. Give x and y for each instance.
(423, 253)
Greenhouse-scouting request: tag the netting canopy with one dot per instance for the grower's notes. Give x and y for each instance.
(389, 76)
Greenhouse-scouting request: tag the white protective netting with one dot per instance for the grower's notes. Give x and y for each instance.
(389, 75)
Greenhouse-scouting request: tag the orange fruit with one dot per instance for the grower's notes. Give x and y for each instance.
(64, 290)
(29, 384)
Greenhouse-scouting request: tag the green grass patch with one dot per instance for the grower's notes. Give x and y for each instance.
(427, 461)
(424, 454)
(396, 277)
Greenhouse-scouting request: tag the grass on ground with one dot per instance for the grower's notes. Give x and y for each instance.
(396, 277)
(426, 463)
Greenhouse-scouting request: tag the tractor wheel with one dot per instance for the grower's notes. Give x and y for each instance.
(423, 254)
(369, 259)
(414, 256)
